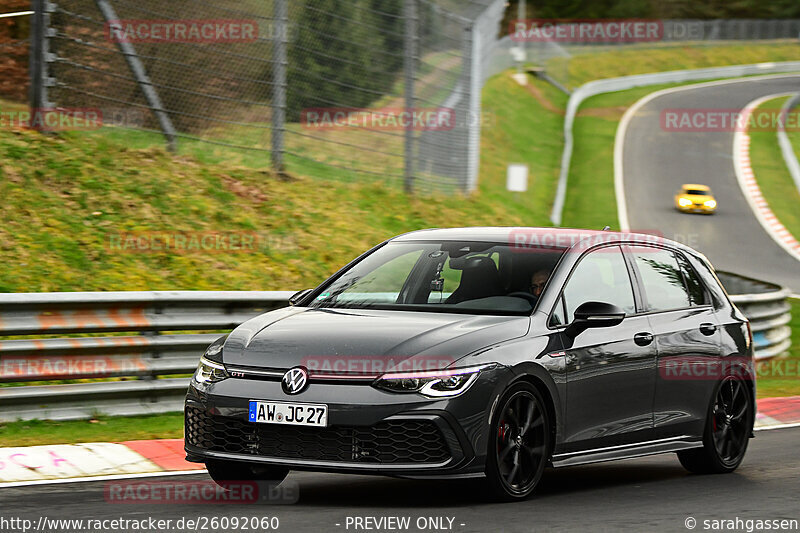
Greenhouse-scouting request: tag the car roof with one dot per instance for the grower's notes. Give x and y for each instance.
(696, 186)
(557, 238)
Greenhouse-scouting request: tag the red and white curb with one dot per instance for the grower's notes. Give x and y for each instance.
(70, 463)
(752, 192)
(101, 460)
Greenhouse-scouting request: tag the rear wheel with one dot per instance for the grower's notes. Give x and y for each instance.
(519, 443)
(728, 427)
(229, 473)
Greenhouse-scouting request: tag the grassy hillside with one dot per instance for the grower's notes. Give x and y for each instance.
(68, 199)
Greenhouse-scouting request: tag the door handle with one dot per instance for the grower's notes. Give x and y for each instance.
(707, 328)
(643, 339)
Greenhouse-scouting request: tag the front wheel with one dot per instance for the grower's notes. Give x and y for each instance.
(227, 474)
(728, 427)
(519, 443)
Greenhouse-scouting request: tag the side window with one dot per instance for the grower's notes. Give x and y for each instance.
(557, 318)
(601, 276)
(697, 293)
(662, 279)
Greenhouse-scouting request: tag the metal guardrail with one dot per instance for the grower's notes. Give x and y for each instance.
(787, 150)
(139, 339)
(594, 88)
(140, 359)
(766, 306)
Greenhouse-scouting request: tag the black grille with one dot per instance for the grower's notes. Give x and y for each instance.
(401, 441)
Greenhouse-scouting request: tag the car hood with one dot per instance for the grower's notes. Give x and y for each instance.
(364, 341)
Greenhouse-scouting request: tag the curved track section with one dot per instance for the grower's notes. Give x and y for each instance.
(654, 163)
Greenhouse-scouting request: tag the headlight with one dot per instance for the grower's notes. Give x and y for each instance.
(710, 203)
(209, 371)
(684, 202)
(436, 383)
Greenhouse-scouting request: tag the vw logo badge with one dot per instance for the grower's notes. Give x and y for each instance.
(295, 380)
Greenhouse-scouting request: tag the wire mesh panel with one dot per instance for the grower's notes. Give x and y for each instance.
(345, 67)
(342, 89)
(213, 87)
(14, 49)
(554, 52)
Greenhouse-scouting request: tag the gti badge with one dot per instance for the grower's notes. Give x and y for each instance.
(295, 380)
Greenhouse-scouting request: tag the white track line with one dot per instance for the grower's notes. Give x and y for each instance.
(17, 14)
(779, 426)
(619, 140)
(110, 477)
(749, 185)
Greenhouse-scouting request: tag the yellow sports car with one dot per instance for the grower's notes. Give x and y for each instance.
(694, 198)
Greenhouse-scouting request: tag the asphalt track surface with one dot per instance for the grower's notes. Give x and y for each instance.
(657, 162)
(648, 494)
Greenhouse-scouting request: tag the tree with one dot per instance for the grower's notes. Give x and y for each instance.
(341, 58)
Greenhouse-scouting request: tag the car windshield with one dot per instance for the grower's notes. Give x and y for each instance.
(468, 277)
(698, 192)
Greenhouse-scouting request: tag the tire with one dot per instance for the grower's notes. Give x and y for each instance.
(227, 473)
(729, 424)
(519, 444)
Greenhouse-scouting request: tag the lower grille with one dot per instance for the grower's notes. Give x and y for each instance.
(400, 442)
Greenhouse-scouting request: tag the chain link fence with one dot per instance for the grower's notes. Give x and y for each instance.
(378, 90)
(14, 49)
(554, 55)
(384, 90)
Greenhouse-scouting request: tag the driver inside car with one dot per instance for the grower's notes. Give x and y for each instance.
(538, 281)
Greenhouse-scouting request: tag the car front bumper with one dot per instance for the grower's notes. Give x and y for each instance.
(696, 209)
(369, 431)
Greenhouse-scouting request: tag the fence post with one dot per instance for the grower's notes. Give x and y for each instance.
(139, 72)
(280, 15)
(38, 55)
(472, 105)
(409, 68)
(522, 15)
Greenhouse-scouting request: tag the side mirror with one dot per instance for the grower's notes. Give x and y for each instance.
(296, 297)
(594, 315)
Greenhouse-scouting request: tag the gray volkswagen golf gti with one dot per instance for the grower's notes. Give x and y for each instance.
(478, 352)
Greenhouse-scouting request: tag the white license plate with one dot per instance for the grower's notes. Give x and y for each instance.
(294, 414)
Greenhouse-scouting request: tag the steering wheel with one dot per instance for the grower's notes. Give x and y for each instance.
(526, 295)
